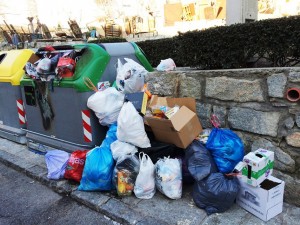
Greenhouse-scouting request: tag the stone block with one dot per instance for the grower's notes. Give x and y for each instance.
(294, 76)
(190, 86)
(204, 112)
(293, 139)
(253, 121)
(92, 199)
(276, 85)
(283, 161)
(163, 83)
(36, 172)
(238, 90)
(180, 211)
(121, 212)
(298, 119)
(289, 123)
(221, 113)
(291, 189)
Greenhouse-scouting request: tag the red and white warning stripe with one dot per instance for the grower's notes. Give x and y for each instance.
(86, 122)
(21, 111)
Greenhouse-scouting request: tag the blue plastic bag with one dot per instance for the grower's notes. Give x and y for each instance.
(56, 161)
(98, 169)
(226, 147)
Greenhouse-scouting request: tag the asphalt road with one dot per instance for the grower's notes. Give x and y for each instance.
(26, 201)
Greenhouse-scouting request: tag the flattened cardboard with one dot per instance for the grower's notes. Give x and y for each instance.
(264, 201)
(183, 127)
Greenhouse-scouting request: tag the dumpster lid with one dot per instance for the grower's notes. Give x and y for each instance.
(12, 63)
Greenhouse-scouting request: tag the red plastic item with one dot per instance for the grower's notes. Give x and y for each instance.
(75, 165)
(66, 67)
(215, 121)
(49, 48)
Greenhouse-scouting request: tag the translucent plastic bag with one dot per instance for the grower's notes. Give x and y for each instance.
(125, 173)
(144, 187)
(216, 193)
(130, 76)
(226, 148)
(99, 164)
(106, 105)
(56, 161)
(119, 148)
(168, 179)
(131, 127)
(166, 65)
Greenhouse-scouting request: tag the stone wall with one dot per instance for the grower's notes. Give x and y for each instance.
(251, 102)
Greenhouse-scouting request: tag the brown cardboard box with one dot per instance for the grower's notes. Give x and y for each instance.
(33, 58)
(182, 128)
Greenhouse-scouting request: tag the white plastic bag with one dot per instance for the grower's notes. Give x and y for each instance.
(56, 161)
(144, 187)
(120, 148)
(166, 65)
(44, 65)
(130, 76)
(131, 127)
(106, 105)
(168, 179)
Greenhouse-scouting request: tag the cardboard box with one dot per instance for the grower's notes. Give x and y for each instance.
(183, 127)
(33, 58)
(139, 101)
(264, 201)
(258, 165)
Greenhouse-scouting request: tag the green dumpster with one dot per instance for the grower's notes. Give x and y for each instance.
(57, 114)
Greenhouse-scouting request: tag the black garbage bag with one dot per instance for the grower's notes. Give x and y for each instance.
(187, 178)
(199, 161)
(216, 193)
(159, 150)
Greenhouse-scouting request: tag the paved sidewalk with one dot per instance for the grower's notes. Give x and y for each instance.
(131, 210)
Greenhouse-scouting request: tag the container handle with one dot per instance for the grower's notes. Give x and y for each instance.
(89, 84)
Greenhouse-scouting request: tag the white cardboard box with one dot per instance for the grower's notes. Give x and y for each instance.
(264, 201)
(258, 165)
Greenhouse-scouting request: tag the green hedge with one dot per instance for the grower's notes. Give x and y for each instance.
(271, 43)
(108, 40)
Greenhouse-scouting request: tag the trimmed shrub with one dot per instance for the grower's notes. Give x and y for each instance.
(108, 40)
(265, 43)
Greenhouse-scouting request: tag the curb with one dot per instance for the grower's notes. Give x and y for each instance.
(97, 201)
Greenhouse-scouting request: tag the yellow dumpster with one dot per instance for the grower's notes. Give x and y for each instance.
(12, 112)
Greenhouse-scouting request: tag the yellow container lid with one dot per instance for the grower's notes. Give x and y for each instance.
(12, 65)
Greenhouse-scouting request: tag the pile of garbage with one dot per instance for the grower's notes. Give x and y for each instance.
(49, 63)
(154, 143)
